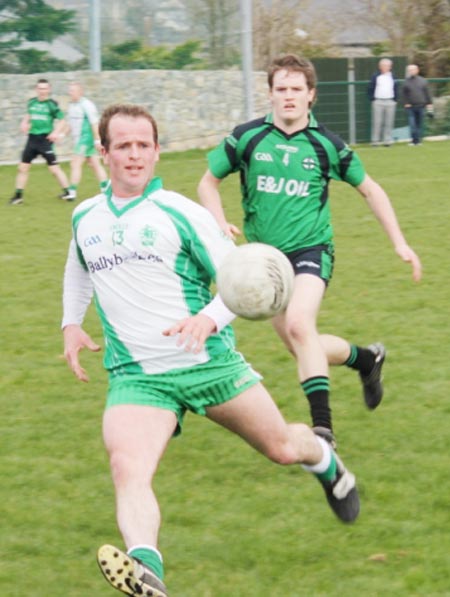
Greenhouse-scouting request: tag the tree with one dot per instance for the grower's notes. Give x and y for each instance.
(418, 29)
(279, 27)
(30, 20)
(134, 54)
(35, 61)
(217, 22)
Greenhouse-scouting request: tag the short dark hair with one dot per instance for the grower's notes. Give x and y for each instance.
(43, 81)
(293, 63)
(130, 110)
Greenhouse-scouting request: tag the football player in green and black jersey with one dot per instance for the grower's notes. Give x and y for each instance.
(286, 160)
(43, 123)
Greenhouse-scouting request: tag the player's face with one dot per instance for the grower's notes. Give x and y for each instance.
(75, 92)
(290, 98)
(132, 155)
(42, 91)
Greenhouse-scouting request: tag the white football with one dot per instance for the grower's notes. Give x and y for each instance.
(255, 281)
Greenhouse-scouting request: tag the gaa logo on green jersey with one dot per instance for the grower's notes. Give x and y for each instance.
(309, 163)
(262, 156)
(148, 236)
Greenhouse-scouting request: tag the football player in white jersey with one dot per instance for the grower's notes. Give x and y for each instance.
(150, 255)
(82, 116)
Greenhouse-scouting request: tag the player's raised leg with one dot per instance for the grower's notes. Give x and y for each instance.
(367, 361)
(254, 416)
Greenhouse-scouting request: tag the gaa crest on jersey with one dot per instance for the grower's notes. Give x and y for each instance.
(309, 163)
(148, 236)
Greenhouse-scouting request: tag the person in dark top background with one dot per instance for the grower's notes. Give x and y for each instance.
(416, 100)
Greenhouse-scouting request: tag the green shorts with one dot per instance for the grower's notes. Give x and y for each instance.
(195, 388)
(85, 148)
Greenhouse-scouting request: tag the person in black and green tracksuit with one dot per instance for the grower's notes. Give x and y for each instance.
(44, 124)
(286, 161)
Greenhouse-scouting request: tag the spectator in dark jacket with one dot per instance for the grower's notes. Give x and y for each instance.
(383, 92)
(416, 99)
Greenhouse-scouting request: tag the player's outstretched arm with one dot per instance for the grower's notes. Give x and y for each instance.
(75, 339)
(379, 203)
(208, 193)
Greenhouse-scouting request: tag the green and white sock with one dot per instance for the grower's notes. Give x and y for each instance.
(149, 556)
(325, 470)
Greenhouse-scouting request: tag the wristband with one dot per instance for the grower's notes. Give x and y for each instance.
(218, 312)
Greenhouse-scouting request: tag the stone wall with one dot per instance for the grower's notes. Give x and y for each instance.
(194, 109)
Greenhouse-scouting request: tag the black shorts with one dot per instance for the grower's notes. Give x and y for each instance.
(318, 261)
(39, 145)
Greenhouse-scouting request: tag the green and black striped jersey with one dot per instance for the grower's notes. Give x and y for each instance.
(285, 180)
(42, 115)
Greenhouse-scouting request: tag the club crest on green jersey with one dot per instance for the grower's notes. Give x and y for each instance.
(309, 163)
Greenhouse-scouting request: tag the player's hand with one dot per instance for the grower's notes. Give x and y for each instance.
(193, 332)
(409, 256)
(75, 339)
(53, 137)
(232, 231)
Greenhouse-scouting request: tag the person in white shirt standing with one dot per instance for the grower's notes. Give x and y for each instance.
(83, 120)
(383, 93)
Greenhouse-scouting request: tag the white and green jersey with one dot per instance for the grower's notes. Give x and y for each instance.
(81, 116)
(150, 264)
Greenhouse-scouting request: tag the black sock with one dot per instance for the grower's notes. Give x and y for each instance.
(19, 193)
(317, 390)
(361, 359)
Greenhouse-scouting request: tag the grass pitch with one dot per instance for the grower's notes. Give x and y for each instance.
(233, 523)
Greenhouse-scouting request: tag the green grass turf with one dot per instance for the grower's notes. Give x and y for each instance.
(233, 523)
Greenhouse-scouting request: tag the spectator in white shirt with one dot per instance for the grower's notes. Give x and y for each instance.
(383, 92)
